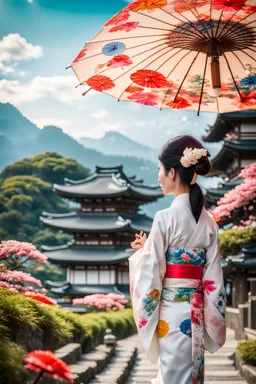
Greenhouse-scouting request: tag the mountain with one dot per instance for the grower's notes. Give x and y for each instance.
(115, 142)
(26, 139)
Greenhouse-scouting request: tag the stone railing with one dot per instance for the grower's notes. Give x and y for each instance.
(237, 319)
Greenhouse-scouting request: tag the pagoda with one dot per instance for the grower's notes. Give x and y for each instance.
(237, 130)
(102, 228)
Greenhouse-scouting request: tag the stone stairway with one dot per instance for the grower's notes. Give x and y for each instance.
(219, 367)
(102, 365)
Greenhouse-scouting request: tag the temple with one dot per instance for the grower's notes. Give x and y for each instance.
(102, 229)
(237, 131)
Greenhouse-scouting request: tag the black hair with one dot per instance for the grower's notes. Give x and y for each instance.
(170, 156)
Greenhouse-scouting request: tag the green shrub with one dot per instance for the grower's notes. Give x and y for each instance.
(11, 365)
(235, 237)
(247, 352)
(19, 312)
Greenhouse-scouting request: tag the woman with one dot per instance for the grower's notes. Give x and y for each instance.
(176, 278)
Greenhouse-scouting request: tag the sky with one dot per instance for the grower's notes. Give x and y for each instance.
(39, 39)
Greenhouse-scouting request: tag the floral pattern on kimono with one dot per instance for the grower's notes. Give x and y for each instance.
(199, 323)
(148, 265)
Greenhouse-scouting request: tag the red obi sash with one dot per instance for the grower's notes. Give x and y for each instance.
(184, 271)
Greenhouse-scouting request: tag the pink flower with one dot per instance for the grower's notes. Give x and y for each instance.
(14, 277)
(119, 61)
(127, 27)
(185, 257)
(142, 323)
(15, 248)
(146, 98)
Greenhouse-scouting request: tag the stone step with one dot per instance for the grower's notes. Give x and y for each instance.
(117, 371)
(70, 353)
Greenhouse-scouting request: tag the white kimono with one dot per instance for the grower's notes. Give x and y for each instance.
(179, 316)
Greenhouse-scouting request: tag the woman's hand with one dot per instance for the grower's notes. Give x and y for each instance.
(139, 241)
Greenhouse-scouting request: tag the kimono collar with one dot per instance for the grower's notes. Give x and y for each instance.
(182, 199)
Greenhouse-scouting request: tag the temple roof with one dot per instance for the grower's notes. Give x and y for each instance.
(108, 182)
(82, 255)
(245, 260)
(222, 160)
(226, 122)
(96, 222)
(214, 194)
(77, 290)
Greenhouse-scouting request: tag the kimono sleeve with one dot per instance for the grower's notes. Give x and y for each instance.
(214, 297)
(147, 269)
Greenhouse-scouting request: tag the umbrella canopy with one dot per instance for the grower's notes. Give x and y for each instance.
(193, 54)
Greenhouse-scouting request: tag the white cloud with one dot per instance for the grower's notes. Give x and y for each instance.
(13, 47)
(97, 131)
(61, 123)
(6, 69)
(184, 118)
(99, 114)
(58, 87)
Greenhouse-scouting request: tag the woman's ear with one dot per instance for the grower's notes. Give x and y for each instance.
(172, 173)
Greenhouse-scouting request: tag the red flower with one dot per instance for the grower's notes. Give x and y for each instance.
(49, 363)
(246, 100)
(133, 89)
(146, 98)
(196, 300)
(80, 55)
(119, 61)
(119, 17)
(43, 299)
(147, 5)
(185, 5)
(127, 27)
(100, 83)
(228, 5)
(209, 286)
(179, 103)
(149, 79)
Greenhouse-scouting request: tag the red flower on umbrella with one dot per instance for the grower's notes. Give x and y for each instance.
(119, 17)
(146, 98)
(149, 79)
(179, 103)
(48, 363)
(228, 5)
(147, 5)
(185, 5)
(119, 61)
(43, 299)
(133, 89)
(80, 55)
(127, 27)
(100, 83)
(246, 100)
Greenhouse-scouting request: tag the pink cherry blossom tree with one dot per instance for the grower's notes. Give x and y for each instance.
(238, 205)
(14, 256)
(101, 302)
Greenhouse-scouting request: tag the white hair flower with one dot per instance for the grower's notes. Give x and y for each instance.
(191, 156)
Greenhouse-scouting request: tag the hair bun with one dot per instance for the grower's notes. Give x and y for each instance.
(203, 166)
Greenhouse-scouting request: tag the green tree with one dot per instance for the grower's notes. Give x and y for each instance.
(10, 221)
(20, 203)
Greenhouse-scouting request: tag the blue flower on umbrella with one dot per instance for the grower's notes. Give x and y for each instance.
(113, 48)
(248, 82)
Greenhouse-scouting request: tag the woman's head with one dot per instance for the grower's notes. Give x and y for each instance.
(174, 176)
